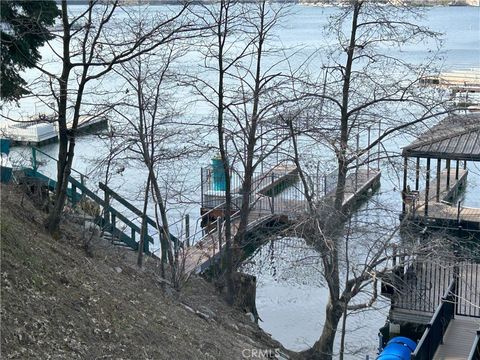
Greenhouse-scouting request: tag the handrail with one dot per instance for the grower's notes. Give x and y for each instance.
(106, 206)
(35, 149)
(133, 209)
(433, 335)
(475, 352)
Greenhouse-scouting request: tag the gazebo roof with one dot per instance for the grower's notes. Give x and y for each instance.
(457, 137)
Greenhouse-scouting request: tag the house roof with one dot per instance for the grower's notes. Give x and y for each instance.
(457, 137)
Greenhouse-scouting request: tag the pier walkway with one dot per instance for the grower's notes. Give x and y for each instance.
(276, 200)
(445, 297)
(458, 339)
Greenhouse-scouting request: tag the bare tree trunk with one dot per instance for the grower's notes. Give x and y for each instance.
(144, 227)
(222, 32)
(53, 220)
(252, 135)
(323, 347)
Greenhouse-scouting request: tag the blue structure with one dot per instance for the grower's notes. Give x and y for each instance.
(219, 182)
(5, 146)
(6, 166)
(399, 348)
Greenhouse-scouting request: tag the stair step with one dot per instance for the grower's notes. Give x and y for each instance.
(122, 245)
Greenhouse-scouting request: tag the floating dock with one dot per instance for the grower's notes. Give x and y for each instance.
(277, 201)
(436, 301)
(460, 79)
(40, 132)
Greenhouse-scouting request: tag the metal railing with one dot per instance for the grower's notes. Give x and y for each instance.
(475, 352)
(421, 283)
(433, 334)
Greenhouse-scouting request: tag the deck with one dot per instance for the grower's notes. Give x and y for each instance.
(271, 206)
(458, 339)
(422, 286)
(441, 210)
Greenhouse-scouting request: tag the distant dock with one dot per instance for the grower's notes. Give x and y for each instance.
(37, 132)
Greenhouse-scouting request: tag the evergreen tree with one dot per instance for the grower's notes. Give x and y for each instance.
(24, 30)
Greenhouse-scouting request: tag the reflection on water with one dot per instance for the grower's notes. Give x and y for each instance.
(291, 299)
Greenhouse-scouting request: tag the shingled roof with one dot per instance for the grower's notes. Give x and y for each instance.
(457, 137)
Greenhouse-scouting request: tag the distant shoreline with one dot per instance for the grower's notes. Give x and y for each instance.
(426, 3)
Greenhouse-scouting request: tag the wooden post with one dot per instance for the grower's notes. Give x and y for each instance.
(144, 236)
(106, 210)
(368, 153)
(379, 134)
(417, 174)
(219, 235)
(427, 187)
(74, 195)
(34, 160)
(458, 212)
(356, 162)
(404, 192)
(448, 174)
(457, 168)
(187, 229)
(201, 187)
(114, 220)
(325, 185)
(439, 169)
(273, 194)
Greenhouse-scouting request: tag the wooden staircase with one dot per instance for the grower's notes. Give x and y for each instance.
(107, 217)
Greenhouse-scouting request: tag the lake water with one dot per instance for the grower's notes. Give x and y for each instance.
(291, 297)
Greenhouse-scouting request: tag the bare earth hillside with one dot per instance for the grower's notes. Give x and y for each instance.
(57, 303)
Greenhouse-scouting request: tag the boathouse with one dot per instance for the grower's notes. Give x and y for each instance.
(444, 150)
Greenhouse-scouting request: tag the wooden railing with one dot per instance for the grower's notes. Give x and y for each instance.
(433, 334)
(108, 219)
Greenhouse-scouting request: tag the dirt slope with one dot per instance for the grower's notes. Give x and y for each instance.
(56, 303)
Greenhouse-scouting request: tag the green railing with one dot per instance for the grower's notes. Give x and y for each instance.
(108, 219)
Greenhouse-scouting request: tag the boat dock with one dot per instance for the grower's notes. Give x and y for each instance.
(448, 146)
(37, 132)
(277, 200)
(464, 79)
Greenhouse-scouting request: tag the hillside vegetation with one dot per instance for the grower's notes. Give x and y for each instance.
(57, 303)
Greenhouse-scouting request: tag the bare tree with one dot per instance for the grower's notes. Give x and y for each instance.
(364, 86)
(87, 53)
(247, 97)
(151, 132)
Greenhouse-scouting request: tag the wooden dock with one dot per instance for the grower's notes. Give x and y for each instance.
(458, 339)
(441, 210)
(271, 207)
(454, 141)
